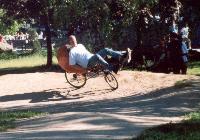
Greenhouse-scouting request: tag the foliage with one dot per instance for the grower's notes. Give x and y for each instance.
(193, 117)
(8, 26)
(101, 23)
(97, 23)
(194, 68)
(36, 46)
(33, 38)
(41, 11)
(32, 34)
(8, 56)
(7, 118)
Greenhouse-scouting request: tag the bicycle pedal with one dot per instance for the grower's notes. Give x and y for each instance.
(106, 72)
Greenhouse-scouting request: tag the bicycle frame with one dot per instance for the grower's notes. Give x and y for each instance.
(78, 80)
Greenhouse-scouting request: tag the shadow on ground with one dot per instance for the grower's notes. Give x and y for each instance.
(119, 118)
(35, 97)
(162, 102)
(53, 95)
(22, 70)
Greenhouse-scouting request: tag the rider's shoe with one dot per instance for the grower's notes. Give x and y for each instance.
(112, 68)
(116, 68)
(126, 58)
(106, 71)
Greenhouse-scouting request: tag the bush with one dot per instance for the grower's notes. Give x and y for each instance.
(8, 56)
(36, 46)
(33, 38)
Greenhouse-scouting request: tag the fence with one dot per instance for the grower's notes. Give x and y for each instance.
(25, 44)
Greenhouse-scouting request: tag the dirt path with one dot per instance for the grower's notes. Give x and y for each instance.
(94, 111)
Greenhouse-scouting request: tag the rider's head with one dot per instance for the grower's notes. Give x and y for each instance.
(72, 40)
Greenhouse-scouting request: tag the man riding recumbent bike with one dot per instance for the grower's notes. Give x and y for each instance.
(77, 78)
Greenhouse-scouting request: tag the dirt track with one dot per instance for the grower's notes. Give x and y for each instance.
(94, 111)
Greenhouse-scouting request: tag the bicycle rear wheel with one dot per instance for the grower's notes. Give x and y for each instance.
(111, 80)
(75, 80)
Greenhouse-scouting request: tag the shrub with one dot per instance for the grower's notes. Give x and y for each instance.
(33, 38)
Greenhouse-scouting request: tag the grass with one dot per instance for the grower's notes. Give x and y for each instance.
(194, 68)
(27, 61)
(188, 129)
(193, 117)
(183, 84)
(7, 119)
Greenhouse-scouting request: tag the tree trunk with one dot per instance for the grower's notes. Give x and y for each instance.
(139, 37)
(48, 39)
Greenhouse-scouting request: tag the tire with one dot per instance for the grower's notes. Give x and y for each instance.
(75, 80)
(111, 80)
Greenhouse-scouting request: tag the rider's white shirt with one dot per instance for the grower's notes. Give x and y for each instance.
(79, 55)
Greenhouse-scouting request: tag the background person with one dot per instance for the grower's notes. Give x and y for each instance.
(178, 54)
(184, 32)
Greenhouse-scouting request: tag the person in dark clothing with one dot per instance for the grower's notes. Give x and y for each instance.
(162, 60)
(184, 57)
(178, 55)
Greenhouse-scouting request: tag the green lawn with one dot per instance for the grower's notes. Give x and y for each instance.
(7, 119)
(194, 68)
(188, 129)
(27, 61)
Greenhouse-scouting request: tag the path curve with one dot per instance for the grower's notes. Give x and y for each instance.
(142, 100)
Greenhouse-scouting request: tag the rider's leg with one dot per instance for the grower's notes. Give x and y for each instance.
(122, 56)
(97, 59)
(106, 51)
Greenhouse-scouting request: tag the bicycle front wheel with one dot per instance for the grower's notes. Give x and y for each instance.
(75, 80)
(111, 80)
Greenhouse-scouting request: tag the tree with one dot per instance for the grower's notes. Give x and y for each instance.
(41, 11)
(8, 26)
(106, 22)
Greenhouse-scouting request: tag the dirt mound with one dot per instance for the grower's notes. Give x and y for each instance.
(95, 111)
(50, 87)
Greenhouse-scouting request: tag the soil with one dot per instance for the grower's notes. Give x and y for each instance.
(142, 100)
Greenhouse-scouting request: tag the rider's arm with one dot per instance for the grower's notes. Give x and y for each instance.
(73, 63)
(73, 68)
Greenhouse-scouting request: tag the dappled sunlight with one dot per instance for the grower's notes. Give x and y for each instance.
(95, 111)
(90, 124)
